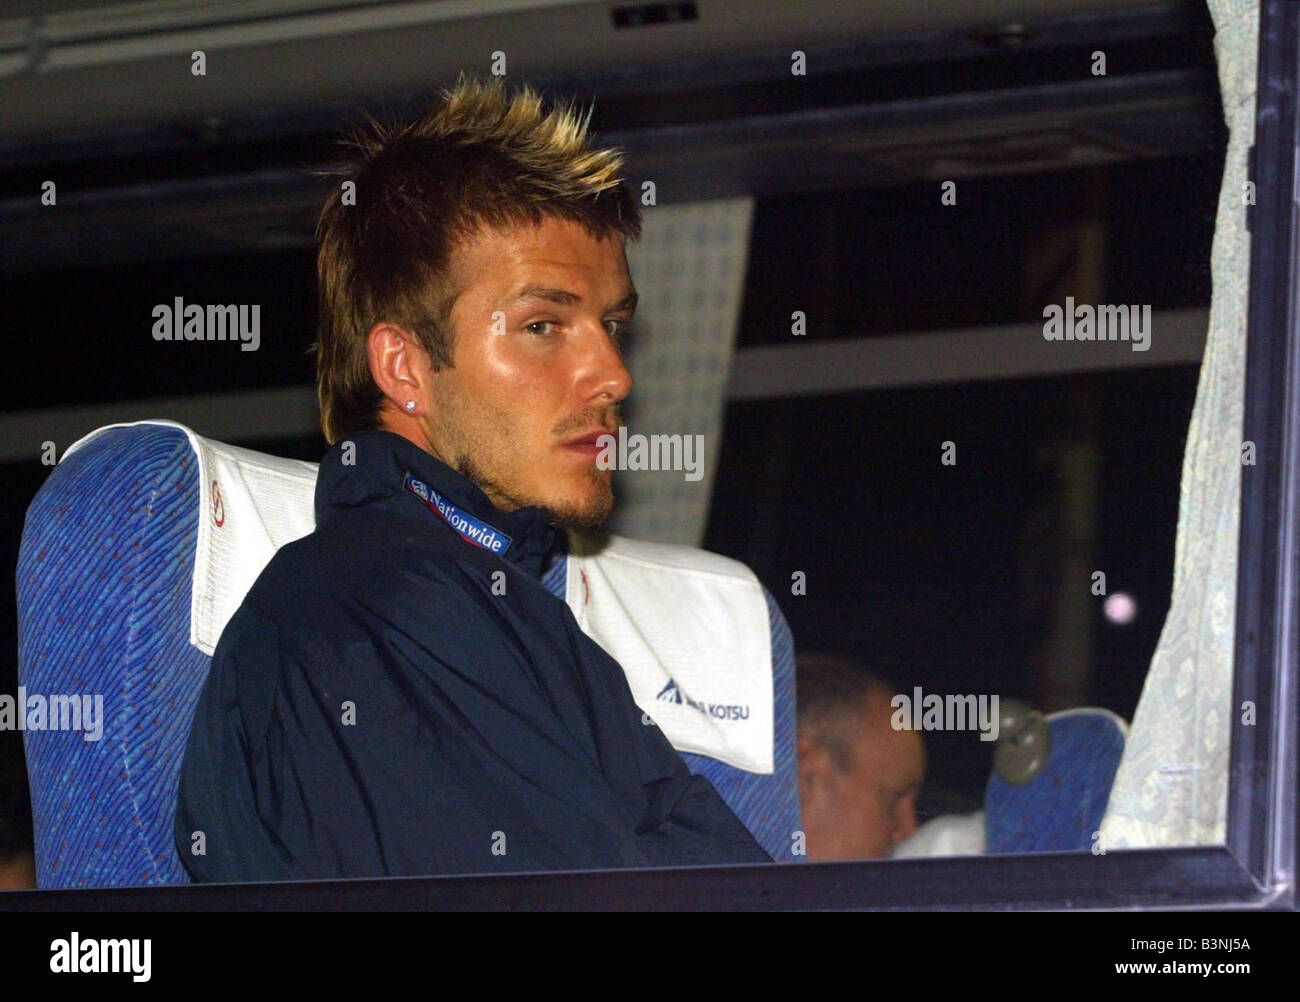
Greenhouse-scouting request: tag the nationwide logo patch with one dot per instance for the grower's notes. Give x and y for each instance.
(672, 693)
(470, 528)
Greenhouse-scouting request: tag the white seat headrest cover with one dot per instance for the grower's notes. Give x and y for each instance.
(691, 631)
(250, 504)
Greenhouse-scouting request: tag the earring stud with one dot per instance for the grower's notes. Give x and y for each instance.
(410, 406)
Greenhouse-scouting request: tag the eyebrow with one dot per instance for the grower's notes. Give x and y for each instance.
(565, 298)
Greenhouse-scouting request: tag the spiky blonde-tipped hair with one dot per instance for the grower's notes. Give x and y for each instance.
(481, 156)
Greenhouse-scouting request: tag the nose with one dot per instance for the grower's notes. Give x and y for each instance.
(601, 375)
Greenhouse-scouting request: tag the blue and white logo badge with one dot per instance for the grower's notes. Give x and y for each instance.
(672, 693)
(470, 528)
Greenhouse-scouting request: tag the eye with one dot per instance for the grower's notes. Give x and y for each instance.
(539, 323)
(619, 330)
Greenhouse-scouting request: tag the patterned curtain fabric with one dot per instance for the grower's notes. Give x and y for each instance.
(1172, 784)
(689, 268)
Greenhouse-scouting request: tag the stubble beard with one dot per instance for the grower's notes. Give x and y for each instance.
(489, 438)
(589, 516)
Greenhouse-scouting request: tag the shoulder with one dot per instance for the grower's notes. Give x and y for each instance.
(335, 582)
(366, 548)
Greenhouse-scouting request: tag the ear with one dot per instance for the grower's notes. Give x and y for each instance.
(814, 766)
(400, 368)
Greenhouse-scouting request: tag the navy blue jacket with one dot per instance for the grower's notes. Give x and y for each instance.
(398, 694)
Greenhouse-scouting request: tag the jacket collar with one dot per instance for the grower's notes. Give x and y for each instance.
(390, 471)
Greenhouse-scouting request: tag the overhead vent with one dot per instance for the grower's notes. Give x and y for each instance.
(645, 14)
(1022, 153)
(1006, 140)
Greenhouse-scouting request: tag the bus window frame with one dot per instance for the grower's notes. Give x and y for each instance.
(1254, 869)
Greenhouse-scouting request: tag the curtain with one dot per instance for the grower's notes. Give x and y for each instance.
(1172, 784)
(689, 268)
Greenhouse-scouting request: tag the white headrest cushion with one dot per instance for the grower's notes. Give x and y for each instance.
(250, 504)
